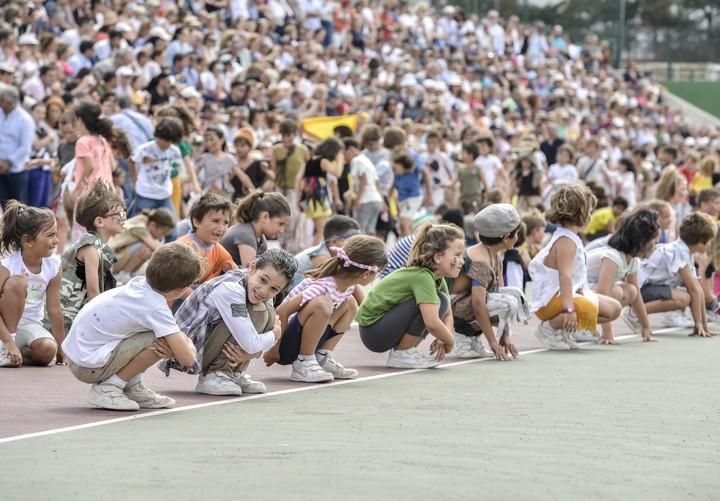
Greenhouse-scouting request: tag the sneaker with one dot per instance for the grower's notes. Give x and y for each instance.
(329, 364)
(631, 320)
(551, 339)
(479, 347)
(5, 360)
(465, 346)
(146, 398)
(309, 371)
(410, 359)
(678, 319)
(584, 336)
(217, 383)
(109, 396)
(712, 317)
(248, 384)
(568, 339)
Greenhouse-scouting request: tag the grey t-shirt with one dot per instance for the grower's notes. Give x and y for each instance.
(242, 234)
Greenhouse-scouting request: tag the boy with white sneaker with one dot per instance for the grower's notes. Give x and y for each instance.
(231, 320)
(117, 336)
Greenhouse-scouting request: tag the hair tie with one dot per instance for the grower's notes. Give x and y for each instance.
(347, 262)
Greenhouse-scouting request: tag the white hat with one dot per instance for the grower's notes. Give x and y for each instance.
(190, 93)
(124, 71)
(28, 39)
(159, 32)
(123, 27)
(7, 68)
(455, 80)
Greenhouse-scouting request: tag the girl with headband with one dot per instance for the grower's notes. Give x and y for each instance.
(321, 308)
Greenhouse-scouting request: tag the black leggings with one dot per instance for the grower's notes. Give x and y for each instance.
(403, 318)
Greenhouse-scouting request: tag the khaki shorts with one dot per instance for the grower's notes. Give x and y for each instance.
(28, 332)
(121, 356)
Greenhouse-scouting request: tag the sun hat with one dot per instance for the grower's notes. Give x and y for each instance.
(496, 220)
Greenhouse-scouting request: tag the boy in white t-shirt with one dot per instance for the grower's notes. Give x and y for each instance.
(122, 332)
(440, 168)
(563, 171)
(152, 166)
(366, 194)
(490, 164)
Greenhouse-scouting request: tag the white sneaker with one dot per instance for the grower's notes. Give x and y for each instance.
(410, 359)
(631, 320)
(551, 339)
(464, 346)
(329, 364)
(217, 383)
(309, 371)
(146, 398)
(678, 319)
(712, 317)
(5, 360)
(567, 338)
(584, 336)
(248, 384)
(109, 396)
(479, 348)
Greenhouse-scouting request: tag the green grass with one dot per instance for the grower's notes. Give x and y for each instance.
(704, 95)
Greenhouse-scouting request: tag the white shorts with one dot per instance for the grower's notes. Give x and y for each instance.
(409, 208)
(28, 331)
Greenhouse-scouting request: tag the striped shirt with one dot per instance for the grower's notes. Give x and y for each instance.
(399, 255)
(310, 288)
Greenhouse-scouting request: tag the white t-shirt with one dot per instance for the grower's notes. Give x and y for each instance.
(441, 170)
(664, 265)
(562, 173)
(153, 176)
(116, 315)
(625, 267)
(37, 283)
(361, 166)
(490, 165)
(591, 170)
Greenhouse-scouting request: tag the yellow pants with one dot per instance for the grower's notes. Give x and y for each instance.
(585, 309)
(177, 195)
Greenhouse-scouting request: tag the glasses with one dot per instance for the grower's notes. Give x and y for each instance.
(121, 215)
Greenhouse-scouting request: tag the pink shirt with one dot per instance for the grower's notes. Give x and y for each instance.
(97, 149)
(311, 288)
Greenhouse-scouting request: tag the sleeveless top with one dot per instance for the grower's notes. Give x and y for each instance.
(546, 281)
(73, 288)
(37, 283)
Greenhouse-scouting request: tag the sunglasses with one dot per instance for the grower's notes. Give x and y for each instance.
(121, 215)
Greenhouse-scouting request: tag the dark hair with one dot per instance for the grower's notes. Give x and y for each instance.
(669, 150)
(85, 46)
(283, 262)
(362, 249)
(394, 137)
(96, 203)
(180, 112)
(635, 231)
(472, 149)
(120, 143)
(288, 127)
(329, 148)
(497, 240)
(432, 135)
(620, 201)
(254, 204)
(707, 195)
(89, 113)
(339, 225)
(170, 129)
(696, 228)
(343, 131)
(174, 266)
(453, 216)
(207, 203)
(220, 134)
(20, 220)
(404, 159)
(488, 141)
(629, 165)
(349, 142)
(160, 216)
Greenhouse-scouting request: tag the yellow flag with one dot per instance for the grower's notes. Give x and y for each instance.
(322, 127)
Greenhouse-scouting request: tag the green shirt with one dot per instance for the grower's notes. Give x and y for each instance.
(400, 286)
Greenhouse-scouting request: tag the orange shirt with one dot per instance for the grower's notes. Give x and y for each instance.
(217, 259)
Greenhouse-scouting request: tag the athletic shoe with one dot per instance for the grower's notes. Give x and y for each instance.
(678, 319)
(584, 336)
(109, 396)
(217, 383)
(631, 320)
(551, 339)
(464, 346)
(146, 398)
(712, 317)
(479, 348)
(410, 359)
(329, 364)
(248, 384)
(5, 360)
(309, 371)
(567, 337)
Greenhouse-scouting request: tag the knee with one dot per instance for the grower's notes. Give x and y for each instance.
(682, 299)
(630, 294)
(15, 286)
(320, 306)
(42, 351)
(351, 306)
(614, 308)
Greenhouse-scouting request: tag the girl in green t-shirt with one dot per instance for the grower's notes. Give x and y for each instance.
(404, 306)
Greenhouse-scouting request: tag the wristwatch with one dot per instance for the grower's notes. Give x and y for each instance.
(568, 309)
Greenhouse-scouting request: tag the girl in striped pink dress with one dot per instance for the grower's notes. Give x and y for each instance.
(317, 312)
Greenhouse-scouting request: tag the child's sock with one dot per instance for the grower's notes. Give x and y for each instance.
(322, 354)
(135, 380)
(115, 380)
(303, 358)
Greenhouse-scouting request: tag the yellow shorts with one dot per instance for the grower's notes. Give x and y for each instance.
(316, 210)
(585, 309)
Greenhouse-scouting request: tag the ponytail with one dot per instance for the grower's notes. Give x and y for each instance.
(360, 254)
(432, 239)
(20, 220)
(254, 204)
(89, 113)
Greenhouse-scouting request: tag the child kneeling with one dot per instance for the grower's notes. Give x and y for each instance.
(317, 312)
(121, 333)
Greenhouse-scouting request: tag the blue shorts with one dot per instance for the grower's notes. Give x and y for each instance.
(291, 338)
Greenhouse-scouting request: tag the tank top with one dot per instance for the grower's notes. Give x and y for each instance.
(37, 283)
(546, 281)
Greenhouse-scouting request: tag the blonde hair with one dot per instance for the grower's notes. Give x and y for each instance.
(571, 204)
(667, 185)
(709, 165)
(432, 239)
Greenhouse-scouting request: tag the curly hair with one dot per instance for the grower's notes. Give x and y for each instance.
(635, 232)
(571, 204)
(432, 239)
(697, 228)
